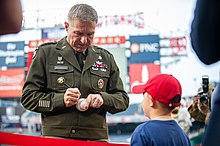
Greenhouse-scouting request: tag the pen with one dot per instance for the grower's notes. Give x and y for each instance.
(67, 85)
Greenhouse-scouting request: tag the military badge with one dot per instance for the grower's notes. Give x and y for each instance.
(61, 80)
(101, 83)
(100, 57)
(59, 60)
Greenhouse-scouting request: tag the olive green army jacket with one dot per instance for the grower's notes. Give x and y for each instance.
(55, 64)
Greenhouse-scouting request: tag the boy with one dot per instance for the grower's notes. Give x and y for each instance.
(162, 93)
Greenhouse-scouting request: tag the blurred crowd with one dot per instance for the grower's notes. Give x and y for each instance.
(193, 114)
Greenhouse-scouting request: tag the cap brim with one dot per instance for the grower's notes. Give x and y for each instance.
(138, 89)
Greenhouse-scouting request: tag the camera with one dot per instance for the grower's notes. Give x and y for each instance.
(204, 95)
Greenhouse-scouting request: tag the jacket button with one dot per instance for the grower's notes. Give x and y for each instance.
(73, 131)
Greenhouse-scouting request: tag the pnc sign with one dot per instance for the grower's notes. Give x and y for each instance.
(144, 49)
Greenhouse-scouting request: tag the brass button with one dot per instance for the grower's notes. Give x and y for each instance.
(73, 131)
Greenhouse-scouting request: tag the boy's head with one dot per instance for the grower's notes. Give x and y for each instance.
(163, 88)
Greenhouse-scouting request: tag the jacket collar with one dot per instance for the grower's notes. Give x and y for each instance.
(68, 54)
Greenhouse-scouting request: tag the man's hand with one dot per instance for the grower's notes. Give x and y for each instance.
(71, 96)
(94, 100)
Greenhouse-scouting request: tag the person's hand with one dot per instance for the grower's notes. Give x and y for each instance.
(71, 96)
(195, 101)
(203, 107)
(94, 100)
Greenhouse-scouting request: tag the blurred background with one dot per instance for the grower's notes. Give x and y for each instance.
(146, 37)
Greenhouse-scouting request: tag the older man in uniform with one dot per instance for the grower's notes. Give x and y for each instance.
(64, 73)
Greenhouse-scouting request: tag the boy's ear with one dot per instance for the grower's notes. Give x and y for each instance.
(152, 102)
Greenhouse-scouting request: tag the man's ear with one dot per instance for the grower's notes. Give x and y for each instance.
(66, 25)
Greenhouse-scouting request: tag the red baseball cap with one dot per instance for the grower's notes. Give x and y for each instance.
(162, 87)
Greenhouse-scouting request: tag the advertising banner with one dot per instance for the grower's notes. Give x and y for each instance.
(12, 54)
(144, 49)
(36, 43)
(53, 33)
(29, 59)
(11, 82)
(140, 73)
(109, 40)
(175, 46)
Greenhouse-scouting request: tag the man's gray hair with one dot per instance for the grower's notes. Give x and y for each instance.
(83, 12)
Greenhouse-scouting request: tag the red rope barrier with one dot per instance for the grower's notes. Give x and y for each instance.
(27, 140)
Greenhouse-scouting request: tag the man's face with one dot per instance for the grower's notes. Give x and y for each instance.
(80, 34)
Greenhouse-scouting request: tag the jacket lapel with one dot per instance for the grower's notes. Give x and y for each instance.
(67, 52)
(92, 57)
